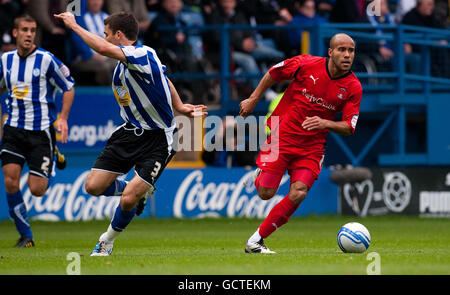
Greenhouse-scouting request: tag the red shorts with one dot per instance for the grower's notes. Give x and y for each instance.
(302, 165)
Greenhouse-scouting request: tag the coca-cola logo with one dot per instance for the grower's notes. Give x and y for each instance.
(233, 199)
(68, 201)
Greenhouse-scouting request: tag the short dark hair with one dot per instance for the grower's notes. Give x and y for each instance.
(125, 22)
(23, 18)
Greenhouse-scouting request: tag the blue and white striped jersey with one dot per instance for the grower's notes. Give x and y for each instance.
(32, 83)
(142, 90)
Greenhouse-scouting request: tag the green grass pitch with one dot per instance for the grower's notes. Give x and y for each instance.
(306, 245)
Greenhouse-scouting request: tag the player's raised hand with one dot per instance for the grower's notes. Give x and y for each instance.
(68, 19)
(247, 106)
(314, 123)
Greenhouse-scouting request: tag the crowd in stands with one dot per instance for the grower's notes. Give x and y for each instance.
(251, 51)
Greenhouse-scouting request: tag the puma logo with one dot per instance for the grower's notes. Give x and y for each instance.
(314, 79)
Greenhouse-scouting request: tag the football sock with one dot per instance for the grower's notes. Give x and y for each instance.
(18, 212)
(116, 188)
(119, 222)
(109, 235)
(255, 237)
(278, 216)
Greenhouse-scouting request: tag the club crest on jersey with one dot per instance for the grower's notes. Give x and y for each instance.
(122, 96)
(20, 90)
(36, 72)
(341, 92)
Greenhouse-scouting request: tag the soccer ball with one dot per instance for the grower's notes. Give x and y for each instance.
(353, 237)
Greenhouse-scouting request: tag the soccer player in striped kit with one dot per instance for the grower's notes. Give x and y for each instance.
(32, 76)
(146, 98)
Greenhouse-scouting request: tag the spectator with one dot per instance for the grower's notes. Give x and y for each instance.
(276, 12)
(324, 7)
(423, 15)
(267, 12)
(442, 12)
(84, 59)
(403, 6)
(51, 32)
(348, 11)
(137, 7)
(174, 48)
(306, 15)
(245, 50)
(384, 53)
(9, 10)
(153, 5)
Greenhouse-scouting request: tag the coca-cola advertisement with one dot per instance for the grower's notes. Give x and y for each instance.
(180, 193)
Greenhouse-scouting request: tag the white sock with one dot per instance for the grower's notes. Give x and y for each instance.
(109, 235)
(255, 237)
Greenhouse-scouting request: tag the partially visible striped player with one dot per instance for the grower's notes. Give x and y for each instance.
(146, 98)
(32, 76)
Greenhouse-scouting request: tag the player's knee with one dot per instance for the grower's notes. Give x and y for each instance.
(266, 193)
(298, 193)
(91, 187)
(11, 184)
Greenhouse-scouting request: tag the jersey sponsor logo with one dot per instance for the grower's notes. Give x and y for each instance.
(122, 95)
(20, 90)
(311, 98)
(354, 121)
(314, 79)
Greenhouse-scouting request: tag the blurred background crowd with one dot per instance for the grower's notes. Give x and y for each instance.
(199, 51)
(190, 51)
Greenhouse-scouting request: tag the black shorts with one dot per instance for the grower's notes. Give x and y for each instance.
(34, 147)
(146, 150)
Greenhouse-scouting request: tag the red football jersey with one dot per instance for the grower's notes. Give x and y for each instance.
(313, 92)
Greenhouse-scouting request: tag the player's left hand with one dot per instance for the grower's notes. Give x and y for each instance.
(193, 111)
(68, 19)
(63, 129)
(314, 123)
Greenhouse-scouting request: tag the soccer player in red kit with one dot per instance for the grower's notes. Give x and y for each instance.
(320, 88)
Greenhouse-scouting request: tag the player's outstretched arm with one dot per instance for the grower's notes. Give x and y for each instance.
(62, 125)
(247, 105)
(185, 108)
(95, 42)
(317, 123)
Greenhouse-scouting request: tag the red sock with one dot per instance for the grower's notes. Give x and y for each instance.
(278, 216)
